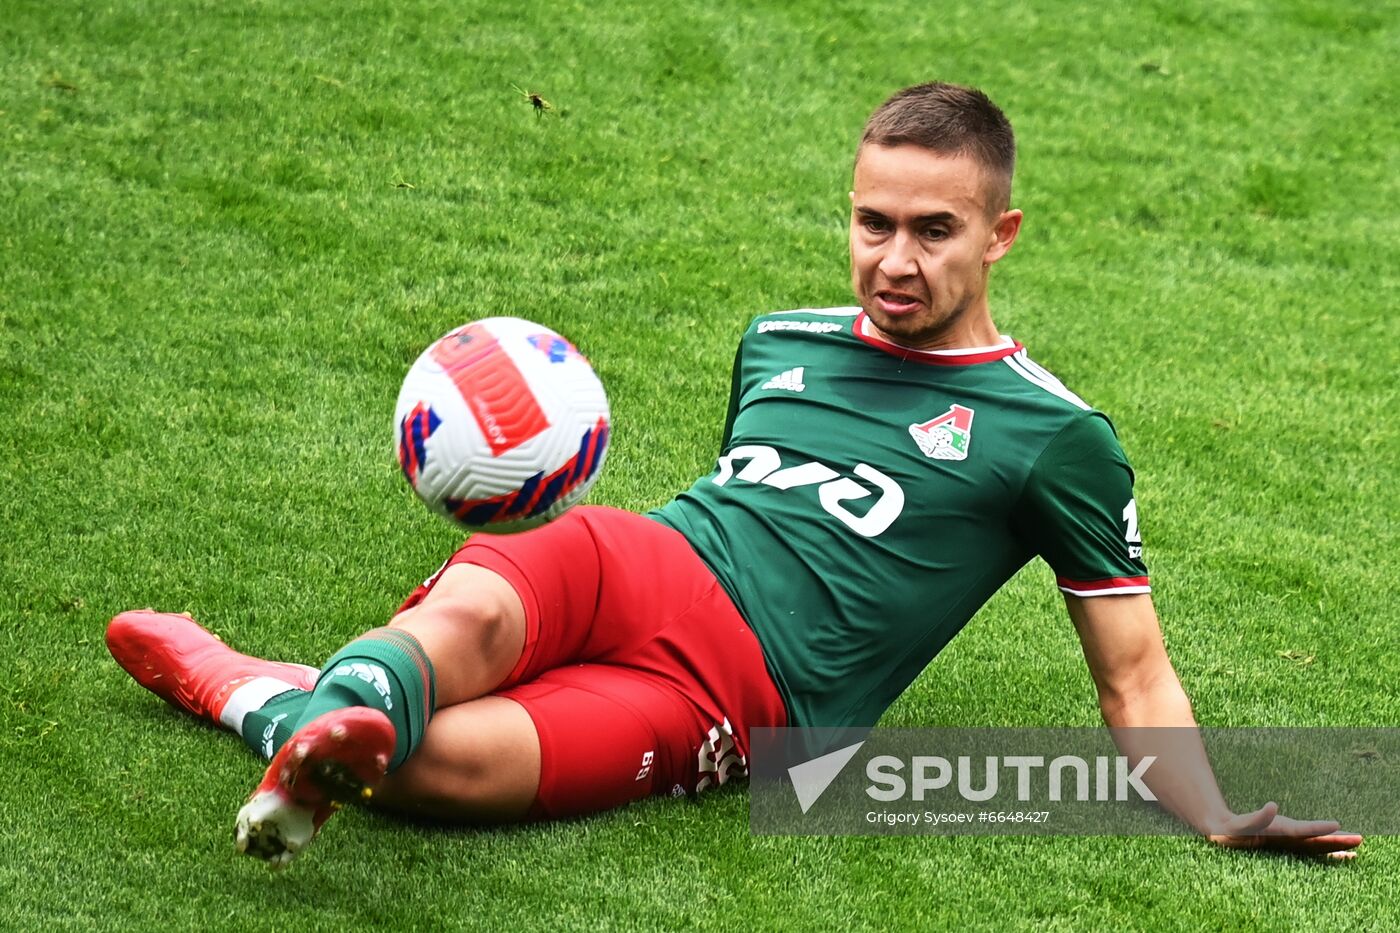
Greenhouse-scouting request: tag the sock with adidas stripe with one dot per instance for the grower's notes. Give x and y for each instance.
(268, 727)
(385, 669)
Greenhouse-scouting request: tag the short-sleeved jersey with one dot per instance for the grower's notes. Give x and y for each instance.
(869, 499)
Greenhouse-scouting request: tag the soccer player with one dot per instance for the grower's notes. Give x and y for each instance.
(884, 469)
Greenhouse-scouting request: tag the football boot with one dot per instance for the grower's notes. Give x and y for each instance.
(187, 666)
(337, 758)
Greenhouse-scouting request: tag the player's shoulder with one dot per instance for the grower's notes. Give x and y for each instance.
(1042, 398)
(1025, 377)
(803, 321)
(1069, 425)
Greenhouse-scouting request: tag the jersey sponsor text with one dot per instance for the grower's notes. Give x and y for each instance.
(809, 327)
(765, 466)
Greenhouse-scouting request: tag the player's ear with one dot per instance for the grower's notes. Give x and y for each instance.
(1005, 229)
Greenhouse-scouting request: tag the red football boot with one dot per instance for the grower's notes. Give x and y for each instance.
(179, 661)
(335, 759)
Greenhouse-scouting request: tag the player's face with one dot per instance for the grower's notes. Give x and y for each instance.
(922, 241)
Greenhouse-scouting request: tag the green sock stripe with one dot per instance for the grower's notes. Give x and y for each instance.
(414, 649)
(267, 729)
(394, 676)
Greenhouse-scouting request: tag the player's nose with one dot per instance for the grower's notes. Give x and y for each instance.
(898, 260)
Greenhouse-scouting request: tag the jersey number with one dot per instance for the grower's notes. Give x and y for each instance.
(766, 467)
(1133, 537)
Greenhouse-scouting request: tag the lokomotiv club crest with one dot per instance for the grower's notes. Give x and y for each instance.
(946, 437)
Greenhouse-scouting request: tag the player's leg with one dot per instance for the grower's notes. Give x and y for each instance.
(478, 763)
(577, 740)
(471, 622)
(178, 660)
(458, 643)
(474, 618)
(467, 620)
(471, 617)
(606, 586)
(477, 621)
(372, 704)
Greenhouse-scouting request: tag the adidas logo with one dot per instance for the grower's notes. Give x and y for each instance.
(791, 380)
(371, 674)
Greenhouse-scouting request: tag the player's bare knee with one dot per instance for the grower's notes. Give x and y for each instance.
(472, 611)
(495, 629)
(477, 623)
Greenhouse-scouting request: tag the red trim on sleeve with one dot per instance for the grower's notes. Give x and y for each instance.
(1111, 586)
(933, 357)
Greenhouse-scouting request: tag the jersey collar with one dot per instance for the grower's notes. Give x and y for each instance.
(960, 357)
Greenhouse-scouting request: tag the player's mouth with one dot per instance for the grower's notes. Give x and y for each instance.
(896, 303)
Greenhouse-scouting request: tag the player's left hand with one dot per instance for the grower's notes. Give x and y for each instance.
(1265, 828)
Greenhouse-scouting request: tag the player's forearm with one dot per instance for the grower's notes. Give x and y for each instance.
(1156, 720)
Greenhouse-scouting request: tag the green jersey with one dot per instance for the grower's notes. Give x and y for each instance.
(869, 499)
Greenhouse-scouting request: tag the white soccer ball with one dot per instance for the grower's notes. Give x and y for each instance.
(501, 425)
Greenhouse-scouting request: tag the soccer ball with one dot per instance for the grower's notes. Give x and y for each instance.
(501, 425)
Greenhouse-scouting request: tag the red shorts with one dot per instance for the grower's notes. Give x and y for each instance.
(638, 672)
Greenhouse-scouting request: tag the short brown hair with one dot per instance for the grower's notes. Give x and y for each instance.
(950, 120)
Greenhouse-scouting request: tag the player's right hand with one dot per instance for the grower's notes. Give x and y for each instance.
(1266, 828)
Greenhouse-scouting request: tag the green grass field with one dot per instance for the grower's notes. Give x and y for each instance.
(227, 229)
